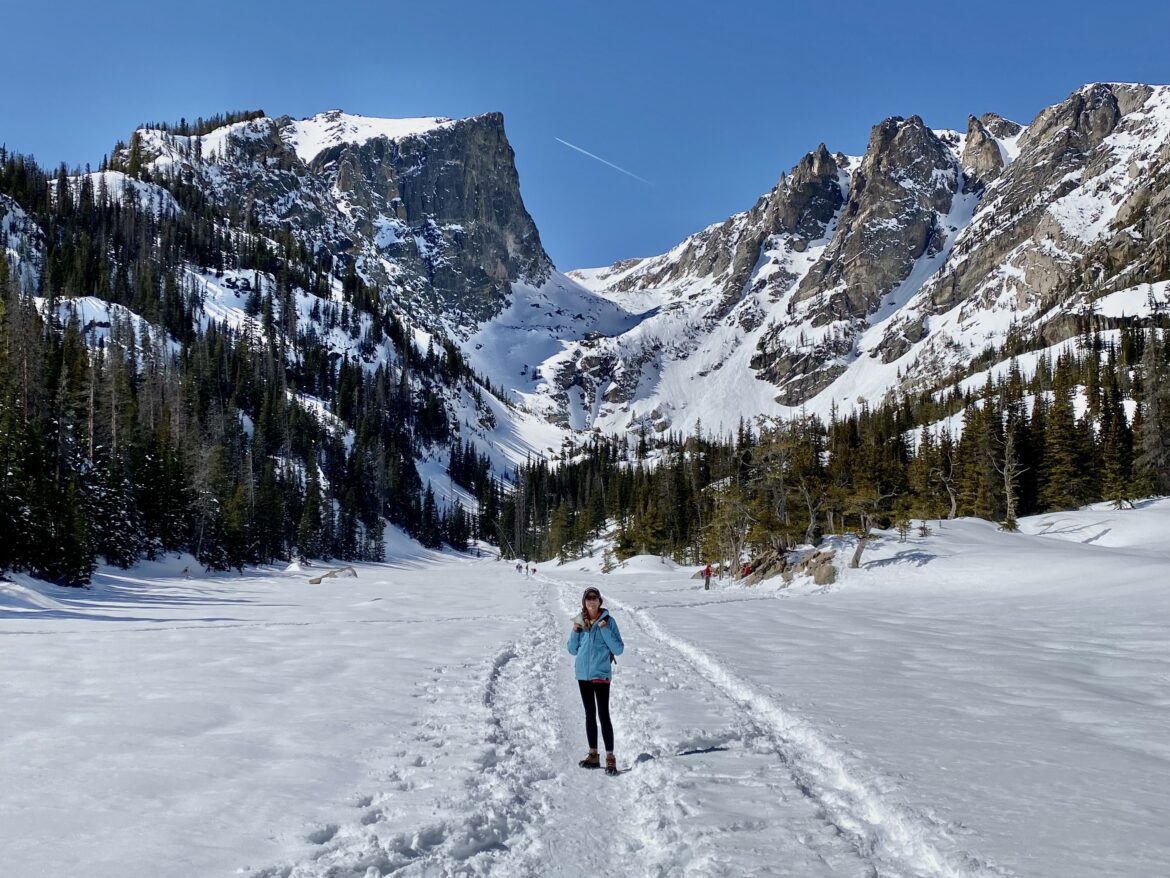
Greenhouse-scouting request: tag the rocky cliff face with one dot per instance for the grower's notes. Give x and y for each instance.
(984, 158)
(1081, 211)
(447, 204)
(428, 209)
(899, 201)
(857, 277)
(905, 183)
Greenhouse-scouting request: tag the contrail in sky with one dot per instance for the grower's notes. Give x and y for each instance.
(603, 161)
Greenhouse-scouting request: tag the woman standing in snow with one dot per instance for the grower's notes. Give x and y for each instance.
(595, 640)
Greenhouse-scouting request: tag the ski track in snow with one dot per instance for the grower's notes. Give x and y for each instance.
(687, 842)
(889, 838)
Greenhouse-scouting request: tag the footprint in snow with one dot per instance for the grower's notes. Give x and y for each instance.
(323, 835)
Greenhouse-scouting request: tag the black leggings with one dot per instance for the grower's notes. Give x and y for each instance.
(596, 699)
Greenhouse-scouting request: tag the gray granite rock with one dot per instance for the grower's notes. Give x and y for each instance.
(982, 156)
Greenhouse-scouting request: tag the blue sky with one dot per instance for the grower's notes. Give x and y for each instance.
(707, 101)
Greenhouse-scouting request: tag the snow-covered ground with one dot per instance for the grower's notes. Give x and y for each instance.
(969, 703)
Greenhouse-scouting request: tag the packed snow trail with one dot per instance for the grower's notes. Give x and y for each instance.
(527, 809)
(683, 782)
(887, 836)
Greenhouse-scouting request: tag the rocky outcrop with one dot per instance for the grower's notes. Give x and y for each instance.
(906, 180)
(434, 216)
(983, 158)
(447, 204)
(805, 202)
(818, 566)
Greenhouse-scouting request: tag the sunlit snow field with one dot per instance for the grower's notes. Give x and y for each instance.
(967, 703)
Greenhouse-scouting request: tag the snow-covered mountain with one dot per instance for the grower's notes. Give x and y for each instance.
(854, 278)
(858, 277)
(426, 212)
(429, 209)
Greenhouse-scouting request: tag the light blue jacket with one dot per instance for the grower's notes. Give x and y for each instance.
(594, 647)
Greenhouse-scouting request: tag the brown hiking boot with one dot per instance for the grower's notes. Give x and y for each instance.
(610, 764)
(591, 760)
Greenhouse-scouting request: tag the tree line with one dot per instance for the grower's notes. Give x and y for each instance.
(1092, 424)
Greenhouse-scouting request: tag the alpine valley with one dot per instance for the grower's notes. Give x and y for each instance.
(255, 338)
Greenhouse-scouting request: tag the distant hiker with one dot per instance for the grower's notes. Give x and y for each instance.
(533, 569)
(707, 578)
(595, 640)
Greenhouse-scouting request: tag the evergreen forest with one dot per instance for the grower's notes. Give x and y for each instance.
(163, 432)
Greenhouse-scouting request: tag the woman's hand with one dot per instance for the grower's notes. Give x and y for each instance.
(603, 623)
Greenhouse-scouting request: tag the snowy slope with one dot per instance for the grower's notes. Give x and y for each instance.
(310, 137)
(521, 349)
(96, 317)
(970, 703)
(151, 198)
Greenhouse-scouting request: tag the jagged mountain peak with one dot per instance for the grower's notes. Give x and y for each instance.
(937, 243)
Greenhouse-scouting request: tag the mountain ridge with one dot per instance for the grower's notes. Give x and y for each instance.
(934, 254)
(325, 324)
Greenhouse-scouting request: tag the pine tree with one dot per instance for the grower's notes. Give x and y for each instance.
(309, 532)
(1061, 472)
(1153, 457)
(70, 561)
(134, 162)
(430, 532)
(1116, 445)
(978, 480)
